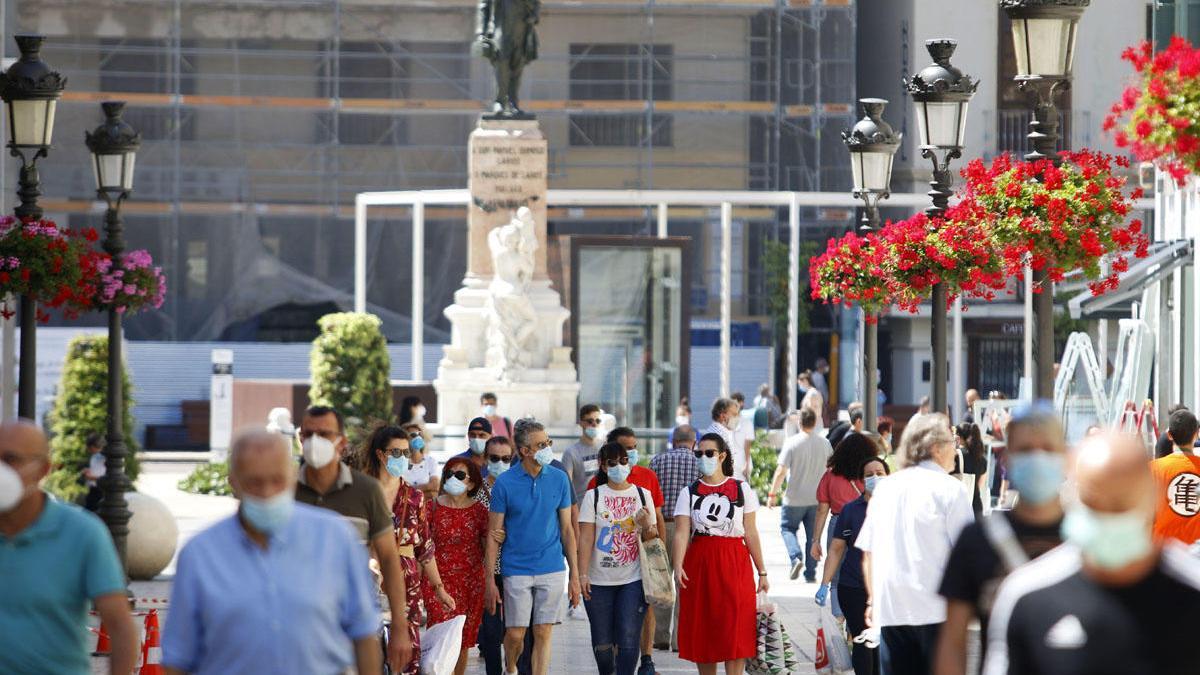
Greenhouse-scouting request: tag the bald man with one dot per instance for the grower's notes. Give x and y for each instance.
(279, 587)
(1110, 600)
(55, 560)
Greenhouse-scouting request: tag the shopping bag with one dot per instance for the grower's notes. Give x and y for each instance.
(775, 654)
(835, 642)
(658, 582)
(440, 645)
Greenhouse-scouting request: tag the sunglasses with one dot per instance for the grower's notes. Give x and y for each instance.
(413, 434)
(614, 462)
(592, 422)
(461, 475)
(399, 452)
(506, 459)
(705, 453)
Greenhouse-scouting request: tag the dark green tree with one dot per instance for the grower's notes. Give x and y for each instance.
(350, 367)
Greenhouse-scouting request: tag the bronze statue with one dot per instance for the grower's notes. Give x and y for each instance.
(505, 35)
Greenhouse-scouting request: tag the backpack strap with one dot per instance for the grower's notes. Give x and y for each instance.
(596, 498)
(741, 498)
(641, 494)
(1004, 541)
(508, 427)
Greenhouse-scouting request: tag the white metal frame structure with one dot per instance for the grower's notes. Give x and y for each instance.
(663, 200)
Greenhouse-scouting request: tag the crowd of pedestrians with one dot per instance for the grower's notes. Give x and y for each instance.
(343, 560)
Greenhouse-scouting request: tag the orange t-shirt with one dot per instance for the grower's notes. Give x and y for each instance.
(1177, 505)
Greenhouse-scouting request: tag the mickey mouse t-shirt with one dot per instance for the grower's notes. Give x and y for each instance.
(714, 509)
(615, 556)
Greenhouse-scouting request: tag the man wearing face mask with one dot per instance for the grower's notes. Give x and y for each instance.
(501, 426)
(1109, 601)
(278, 587)
(1177, 476)
(55, 561)
(726, 421)
(478, 433)
(580, 458)
(326, 482)
(989, 549)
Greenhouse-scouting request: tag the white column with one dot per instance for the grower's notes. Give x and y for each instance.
(1027, 378)
(793, 337)
(663, 231)
(726, 291)
(360, 255)
(418, 291)
(957, 384)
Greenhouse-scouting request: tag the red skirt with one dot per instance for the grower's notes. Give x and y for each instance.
(718, 614)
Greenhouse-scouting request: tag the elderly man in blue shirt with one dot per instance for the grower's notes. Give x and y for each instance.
(55, 560)
(278, 587)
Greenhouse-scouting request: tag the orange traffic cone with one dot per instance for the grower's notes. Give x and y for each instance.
(151, 649)
(103, 646)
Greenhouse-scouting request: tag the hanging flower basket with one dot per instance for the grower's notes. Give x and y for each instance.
(1063, 218)
(42, 261)
(955, 250)
(851, 271)
(1158, 119)
(133, 285)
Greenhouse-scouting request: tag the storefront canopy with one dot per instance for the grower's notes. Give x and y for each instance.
(1164, 258)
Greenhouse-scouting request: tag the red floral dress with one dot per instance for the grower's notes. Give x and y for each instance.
(410, 521)
(458, 535)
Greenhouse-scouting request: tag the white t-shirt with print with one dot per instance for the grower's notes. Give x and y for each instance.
(615, 554)
(714, 511)
(419, 474)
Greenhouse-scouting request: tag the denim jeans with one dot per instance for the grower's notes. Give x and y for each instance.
(834, 605)
(792, 519)
(615, 614)
(491, 639)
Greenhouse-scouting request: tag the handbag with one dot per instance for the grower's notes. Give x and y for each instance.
(440, 646)
(775, 654)
(658, 580)
(836, 649)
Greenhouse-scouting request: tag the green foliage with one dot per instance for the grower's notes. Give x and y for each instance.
(80, 409)
(775, 265)
(350, 367)
(208, 479)
(763, 458)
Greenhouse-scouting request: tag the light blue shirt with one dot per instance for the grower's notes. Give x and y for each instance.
(49, 573)
(294, 607)
(530, 506)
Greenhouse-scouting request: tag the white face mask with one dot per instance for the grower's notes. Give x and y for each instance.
(734, 422)
(419, 411)
(12, 488)
(489, 410)
(318, 451)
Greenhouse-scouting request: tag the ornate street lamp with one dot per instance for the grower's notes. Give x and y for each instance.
(872, 144)
(114, 146)
(1044, 34)
(30, 90)
(942, 94)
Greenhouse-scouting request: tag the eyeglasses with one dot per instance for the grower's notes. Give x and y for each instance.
(591, 422)
(543, 446)
(413, 434)
(614, 462)
(461, 475)
(705, 453)
(506, 459)
(399, 452)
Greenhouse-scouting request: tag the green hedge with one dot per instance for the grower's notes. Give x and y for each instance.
(208, 479)
(764, 458)
(80, 409)
(350, 367)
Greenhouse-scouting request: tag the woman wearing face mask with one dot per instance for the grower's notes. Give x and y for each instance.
(846, 561)
(412, 411)
(422, 467)
(498, 451)
(458, 530)
(388, 455)
(974, 457)
(992, 547)
(840, 485)
(715, 542)
(612, 517)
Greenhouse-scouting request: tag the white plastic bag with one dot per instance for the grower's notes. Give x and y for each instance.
(835, 642)
(440, 646)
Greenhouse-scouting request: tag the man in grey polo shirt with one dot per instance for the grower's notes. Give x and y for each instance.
(802, 461)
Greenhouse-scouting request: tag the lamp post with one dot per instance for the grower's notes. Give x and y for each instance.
(30, 90)
(942, 93)
(872, 144)
(1044, 33)
(114, 147)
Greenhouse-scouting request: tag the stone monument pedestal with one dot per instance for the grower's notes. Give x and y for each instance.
(507, 167)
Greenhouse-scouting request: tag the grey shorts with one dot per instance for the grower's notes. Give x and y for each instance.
(533, 600)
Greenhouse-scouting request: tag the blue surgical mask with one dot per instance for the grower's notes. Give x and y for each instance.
(397, 466)
(633, 456)
(489, 410)
(268, 515)
(591, 432)
(618, 473)
(454, 487)
(870, 482)
(497, 468)
(417, 443)
(544, 456)
(1108, 540)
(477, 445)
(706, 465)
(1036, 475)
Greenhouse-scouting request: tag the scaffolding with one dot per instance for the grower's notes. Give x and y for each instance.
(263, 118)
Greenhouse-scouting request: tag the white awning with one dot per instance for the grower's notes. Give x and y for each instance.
(1164, 258)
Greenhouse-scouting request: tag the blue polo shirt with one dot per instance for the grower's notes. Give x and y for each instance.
(293, 607)
(530, 506)
(49, 574)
